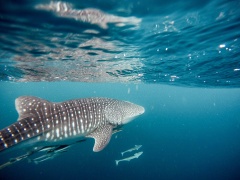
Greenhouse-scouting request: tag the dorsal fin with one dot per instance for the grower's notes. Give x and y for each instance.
(27, 106)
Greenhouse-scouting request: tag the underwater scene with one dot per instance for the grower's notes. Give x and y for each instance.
(146, 89)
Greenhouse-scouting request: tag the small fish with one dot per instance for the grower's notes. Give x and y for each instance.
(136, 155)
(132, 149)
(47, 149)
(14, 160)
(50, 153)
(61, 148)
(43, 158)
(48, 156)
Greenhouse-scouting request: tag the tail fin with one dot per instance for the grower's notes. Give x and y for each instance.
(116, 162)
(19, 131)
(122, 153)
(30, 123)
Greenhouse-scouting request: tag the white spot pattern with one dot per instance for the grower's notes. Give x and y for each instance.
(62, 120)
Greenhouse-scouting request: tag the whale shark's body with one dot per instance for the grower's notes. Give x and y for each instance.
(43, 123)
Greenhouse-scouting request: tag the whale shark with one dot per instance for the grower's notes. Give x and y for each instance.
(42, 123)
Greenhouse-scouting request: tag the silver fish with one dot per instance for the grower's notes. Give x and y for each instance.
(51, 154)
(47, 123)
(136, 155)
(132, 149)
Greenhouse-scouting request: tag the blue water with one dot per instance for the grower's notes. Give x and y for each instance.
(186, 43)
(178, 59)
(186, 133)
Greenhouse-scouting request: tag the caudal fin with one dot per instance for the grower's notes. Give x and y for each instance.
(116, 162)
(30, 123)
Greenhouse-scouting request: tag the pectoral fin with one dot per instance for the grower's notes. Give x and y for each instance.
(102, 136)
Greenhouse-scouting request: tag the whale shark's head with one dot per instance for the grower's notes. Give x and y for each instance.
(130, 111)
(122, 112)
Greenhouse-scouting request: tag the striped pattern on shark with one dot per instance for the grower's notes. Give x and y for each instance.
(45, 121)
